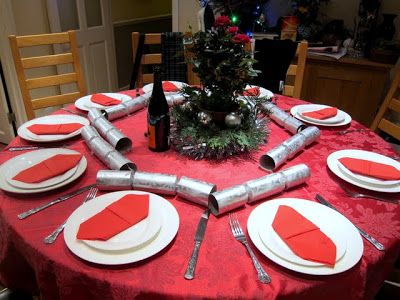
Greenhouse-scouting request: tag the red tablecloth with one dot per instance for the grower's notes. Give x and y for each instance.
(224, 269)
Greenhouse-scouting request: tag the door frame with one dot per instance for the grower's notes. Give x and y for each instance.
(8, 27)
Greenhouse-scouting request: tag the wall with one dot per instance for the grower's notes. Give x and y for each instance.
(136, 15)
(188, 15)
(123, 10)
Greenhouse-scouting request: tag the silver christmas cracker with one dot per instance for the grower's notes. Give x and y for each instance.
(195, 190)
(281, 153)
(104, 151)
(108, 131)
(226, 200)
(113, 180)
(284, 119)
(126, 108)
(155, 182)
(275, 183)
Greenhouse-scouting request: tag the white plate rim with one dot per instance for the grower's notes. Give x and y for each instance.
(366, 179)
(267, 236)
(164, 238)
(263, 92)
(5, 186)
(333, 165)
(148, 88)
(85, 104)
(24, 133)
(155, 221)
(294, 112)
(355, 244)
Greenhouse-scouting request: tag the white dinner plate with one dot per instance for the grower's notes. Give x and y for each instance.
(166, 234)
(24, 133)
(23, 164)
(272, 241)
(84, 103)
(263, 92)
(322, 216)
(42, 153)
(135, 236)
(148, 88)
(367, 179)
(342, 118)
(333, 165)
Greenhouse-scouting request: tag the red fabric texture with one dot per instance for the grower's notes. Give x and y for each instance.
(169, 87)
(371, 168)
(115, 218)
(303, 237)
(255, 91)
(104, 100)
(46, 129)
(48, 168)
(322, 114)
(27, 263)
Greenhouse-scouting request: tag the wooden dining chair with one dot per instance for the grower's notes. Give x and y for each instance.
(391, 103)
(144, 75)
(53, 80)
(295, 72)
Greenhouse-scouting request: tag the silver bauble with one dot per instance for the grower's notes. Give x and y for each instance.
(204, 118)
(232, 120)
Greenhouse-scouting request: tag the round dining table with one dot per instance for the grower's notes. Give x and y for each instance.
(224, 269)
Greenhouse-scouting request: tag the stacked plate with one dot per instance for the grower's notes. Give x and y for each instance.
(341, 118)
(263, 92)
(85, 103)
(24, 161)
(138, 242)
(370, 183)
(148, 88)
(349, 245)
(24, 132)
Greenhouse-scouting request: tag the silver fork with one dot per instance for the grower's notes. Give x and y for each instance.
(50, 239)
(240, 236)
(354, 194)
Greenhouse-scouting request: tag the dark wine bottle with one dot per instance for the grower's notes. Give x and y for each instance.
(158, 119)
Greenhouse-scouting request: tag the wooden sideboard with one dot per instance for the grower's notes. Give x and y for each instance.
(355, 85)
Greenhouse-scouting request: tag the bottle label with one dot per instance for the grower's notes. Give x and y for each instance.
(158, 133)
(151, 134)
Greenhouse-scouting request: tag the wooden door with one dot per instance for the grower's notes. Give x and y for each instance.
(92, 21)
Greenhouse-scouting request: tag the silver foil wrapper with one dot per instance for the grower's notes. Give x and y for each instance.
(155, 182)
(284, 119)
(107, 130)
(104, 151)
(226, 200)
(113, 180)
(175, 99)
(281, 153)
(195, 190)
(275, 183)
(125, 108)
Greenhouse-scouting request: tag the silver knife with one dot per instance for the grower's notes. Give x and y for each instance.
(198, 238)
(57, 200)
(369, 238)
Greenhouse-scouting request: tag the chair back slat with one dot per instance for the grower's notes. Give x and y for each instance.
(296, 70)
(47, 60)
(383, 120)
(34, 82)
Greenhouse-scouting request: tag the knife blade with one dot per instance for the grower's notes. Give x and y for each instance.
(55, 201)
(198, 238)
(365, 235)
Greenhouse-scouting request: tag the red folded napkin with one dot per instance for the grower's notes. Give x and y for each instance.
(115, 218)
(54, 128)
(104, 100)
(303, 237)
(56, 165)
(370, 168)
(169, 87)
(255, 91)
(321, 114)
